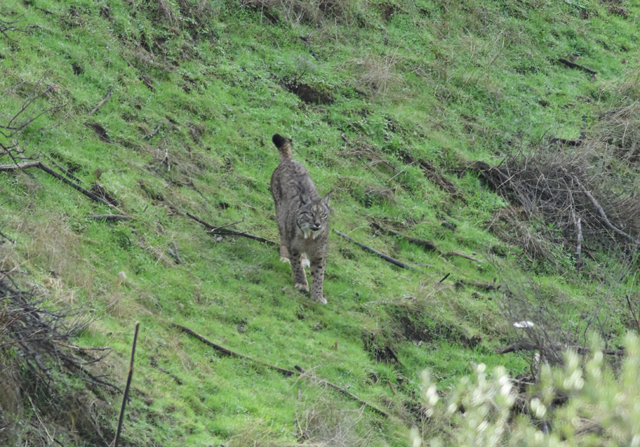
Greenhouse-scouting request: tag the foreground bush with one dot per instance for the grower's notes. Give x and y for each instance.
(586, 403)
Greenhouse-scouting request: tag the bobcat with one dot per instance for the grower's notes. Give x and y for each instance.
(303, 220)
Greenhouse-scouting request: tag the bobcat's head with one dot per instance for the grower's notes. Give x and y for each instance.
(313, 215)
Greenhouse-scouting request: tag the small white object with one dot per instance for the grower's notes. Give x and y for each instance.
(523, 324)
(122, 275)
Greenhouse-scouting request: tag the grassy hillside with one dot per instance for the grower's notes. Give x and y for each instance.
(387, 103)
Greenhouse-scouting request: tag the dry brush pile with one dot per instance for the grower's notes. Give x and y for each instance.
(48, 385)
(573, 190)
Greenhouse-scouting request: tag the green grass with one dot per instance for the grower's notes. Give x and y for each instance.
(442, 83)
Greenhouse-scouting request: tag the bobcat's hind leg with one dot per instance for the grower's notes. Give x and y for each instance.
(299, 277)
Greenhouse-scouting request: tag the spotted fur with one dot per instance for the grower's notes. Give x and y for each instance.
(303, 220)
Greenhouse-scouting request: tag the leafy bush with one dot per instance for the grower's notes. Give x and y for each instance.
(585, 403)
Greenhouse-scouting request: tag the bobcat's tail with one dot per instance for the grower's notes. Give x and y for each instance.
(283, 147)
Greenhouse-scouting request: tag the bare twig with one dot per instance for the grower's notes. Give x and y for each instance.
(602, 213)
(65, 171)
(165, 158)
(286, 372)
(426, 245)
(528, 346)
(342, 390)
(579, 242)
(230, 232)
(109, 217)
(173, 251)
(101, 103)
(382, 255)
(7, 237)
(227, 225)
(576, 66)
(126, 389)
(633, 313)
(462, 255)
(50, 171)
(155, 131)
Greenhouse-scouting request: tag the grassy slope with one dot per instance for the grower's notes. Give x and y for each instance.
(442, 83)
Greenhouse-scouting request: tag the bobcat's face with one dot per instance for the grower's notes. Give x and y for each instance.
(313, 216)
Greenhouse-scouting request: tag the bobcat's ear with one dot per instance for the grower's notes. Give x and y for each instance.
(304, 198)
(325, 199)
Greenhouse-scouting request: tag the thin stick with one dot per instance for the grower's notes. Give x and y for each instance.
(462, 255)
(579, 244)
(426, 245)
(231, 232)
(300, 371)
(126, 390)
(155, 131)
(445, 277)
(526, 346)
(342, 390)
(173, 251)
(165, 158)
(601, 212)
(391, 387)
(633, 312)
(227, 225)
(7, 237)
(382, 255)
(109, 217)
(66, 172)
(101, 103)
(50, 171)
(579, 67)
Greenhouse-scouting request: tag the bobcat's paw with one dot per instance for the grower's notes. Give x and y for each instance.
(320, 300)
(303, 287)
(285, 260)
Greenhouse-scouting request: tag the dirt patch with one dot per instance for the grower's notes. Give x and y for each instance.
(308, 93)
(100, 131)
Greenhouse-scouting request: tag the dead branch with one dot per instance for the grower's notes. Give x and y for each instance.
(527, 346)
(6, 27)
(462, 255)
(382, 255)
(109, 217)
(342, 390)
(7, 237)
(227, 232)
(633, 313)
(579, 242)
(101, 103)
(426, 245)
(155, 131)
(173, 251)
(65, 171)
(126, 389)
(287, 372)
(50, 171)
(480, 285)
(227, 225)
(165, 158)
(602, 213)
(15, 125)
(576, 66)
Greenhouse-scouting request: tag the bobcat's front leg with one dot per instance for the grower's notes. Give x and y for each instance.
(299, 277)
(317, 275)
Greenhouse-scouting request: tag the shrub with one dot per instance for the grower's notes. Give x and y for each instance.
(584, 403)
